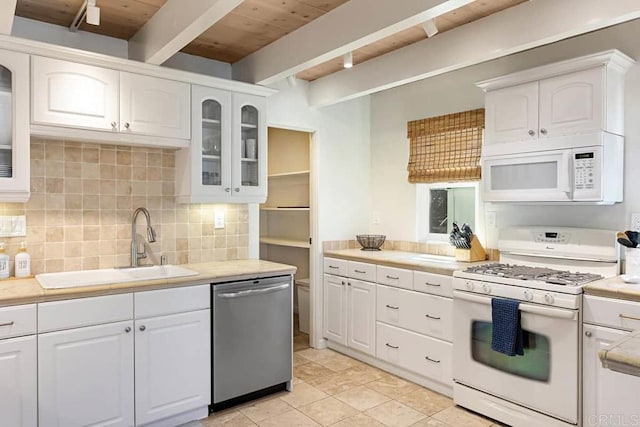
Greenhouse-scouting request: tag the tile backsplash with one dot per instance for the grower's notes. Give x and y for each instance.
(82, 199)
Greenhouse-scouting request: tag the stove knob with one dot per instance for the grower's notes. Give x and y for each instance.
(469, 285)
(528, 295)
(486, 288)
(548, 298)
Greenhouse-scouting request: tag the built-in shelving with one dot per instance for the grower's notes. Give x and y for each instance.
(289, 174)
(211, 121)
(285, 242)
(271, 208)
(249, 126)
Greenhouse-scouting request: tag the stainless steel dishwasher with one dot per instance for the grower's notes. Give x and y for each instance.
(252, 337)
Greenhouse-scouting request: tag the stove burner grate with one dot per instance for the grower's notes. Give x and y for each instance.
(521, 272)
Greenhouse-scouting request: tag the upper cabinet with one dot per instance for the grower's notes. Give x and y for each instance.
(14, 126)
(582, 95)
(92, 98)
(226, 161)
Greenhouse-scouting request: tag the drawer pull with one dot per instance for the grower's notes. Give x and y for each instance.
(392, 346)
(391, 277)
(7, 323)
(622, 316)
(431, 317)
(431, 360)
(432, 284)
(359, 271)
(333, 266)
(392, 307)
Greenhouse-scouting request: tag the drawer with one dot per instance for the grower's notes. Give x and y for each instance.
(17, 321)
(335, 266)
(361, 271)
(75, 313)
(611, 312)
(427, 314)
(414, 352)
(170, 301)
(436, 284)
(395, 277)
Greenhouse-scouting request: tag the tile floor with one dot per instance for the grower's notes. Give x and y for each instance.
(331, 389)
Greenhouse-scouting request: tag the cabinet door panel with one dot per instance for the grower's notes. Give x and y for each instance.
(18, 384)
(572, 104)
(606, 393)
(70, 94)
(334, 309)
(361, 316)
(85, 376)
(153, 106)
(511, 113)
(172, 368)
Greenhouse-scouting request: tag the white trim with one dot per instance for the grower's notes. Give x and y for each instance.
(7, 13)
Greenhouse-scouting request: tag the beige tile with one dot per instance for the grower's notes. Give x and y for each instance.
(430, 422)
(328, 411)
(459, 417)
(426, 401)
(303, 394)
(393, 386)
(311, 371)
(229, 418)
(289, 419)
(299, 360)
(362, 398)
(342, 381)
(264, 409)
(395, 414)
(359, 420)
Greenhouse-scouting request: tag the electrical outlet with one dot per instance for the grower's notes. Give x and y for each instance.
(218, 221)
(635, 221)
(492, 219)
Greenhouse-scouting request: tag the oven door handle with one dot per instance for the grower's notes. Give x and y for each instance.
(526, 308)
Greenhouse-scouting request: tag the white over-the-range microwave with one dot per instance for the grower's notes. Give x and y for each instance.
(578, 168)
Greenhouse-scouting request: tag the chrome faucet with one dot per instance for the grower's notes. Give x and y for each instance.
(151, 237)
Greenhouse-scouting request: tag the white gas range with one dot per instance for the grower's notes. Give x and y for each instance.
(545, 269)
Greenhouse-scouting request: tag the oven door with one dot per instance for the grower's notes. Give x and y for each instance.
(545, 379)
(527, 177)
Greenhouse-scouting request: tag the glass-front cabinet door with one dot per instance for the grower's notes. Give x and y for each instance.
(249, 174)
(14, 126)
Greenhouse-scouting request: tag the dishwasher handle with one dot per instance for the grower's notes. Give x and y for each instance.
(251, 292)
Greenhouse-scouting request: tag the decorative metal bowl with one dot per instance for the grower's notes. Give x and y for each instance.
(370, 242)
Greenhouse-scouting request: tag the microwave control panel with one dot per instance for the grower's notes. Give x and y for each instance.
(587, 170)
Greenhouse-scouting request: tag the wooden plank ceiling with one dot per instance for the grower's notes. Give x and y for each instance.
(249, 27)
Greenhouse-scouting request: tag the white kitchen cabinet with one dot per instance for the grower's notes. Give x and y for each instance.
(609, 397)
(172, 365)
(154, 106)
(124, 105)
(361, 316)
(582, 95)
(14, 127)
(226, 161)
(335, 308)
(19, 383)
(85, 376)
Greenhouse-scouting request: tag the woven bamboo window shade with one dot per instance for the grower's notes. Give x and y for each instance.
(446, 148)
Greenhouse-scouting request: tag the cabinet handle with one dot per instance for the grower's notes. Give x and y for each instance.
(588, 333)
(392, 346)
(127, 125)
(543, 131)
(431, 360)
(237, 190)
(532, 132)
(391, 277)
(114, 125)
(392, 307)
(432, 284)
(142, 328)
(127, 329)
(334, 267)
(624, 316)
(228, 190)
(7, 323)
(359, 271)
(343, 283)
(348, 283)
(432, 317)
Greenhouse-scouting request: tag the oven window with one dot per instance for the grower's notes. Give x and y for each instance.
(534, 365)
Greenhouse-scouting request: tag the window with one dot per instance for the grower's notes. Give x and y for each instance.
(440, 205)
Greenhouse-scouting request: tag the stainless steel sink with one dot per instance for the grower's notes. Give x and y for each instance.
(73, 279)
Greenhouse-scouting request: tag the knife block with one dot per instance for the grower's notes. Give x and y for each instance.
(476, 253)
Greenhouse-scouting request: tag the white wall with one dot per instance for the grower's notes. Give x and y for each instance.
(393, 198)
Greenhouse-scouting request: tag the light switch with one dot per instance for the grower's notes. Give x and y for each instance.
(492, 219)
(218, 221)
(13, 226)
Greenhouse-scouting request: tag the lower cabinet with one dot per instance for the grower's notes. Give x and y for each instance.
(85, 376)
(172, 369)
(19, 383)
(350, 313)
